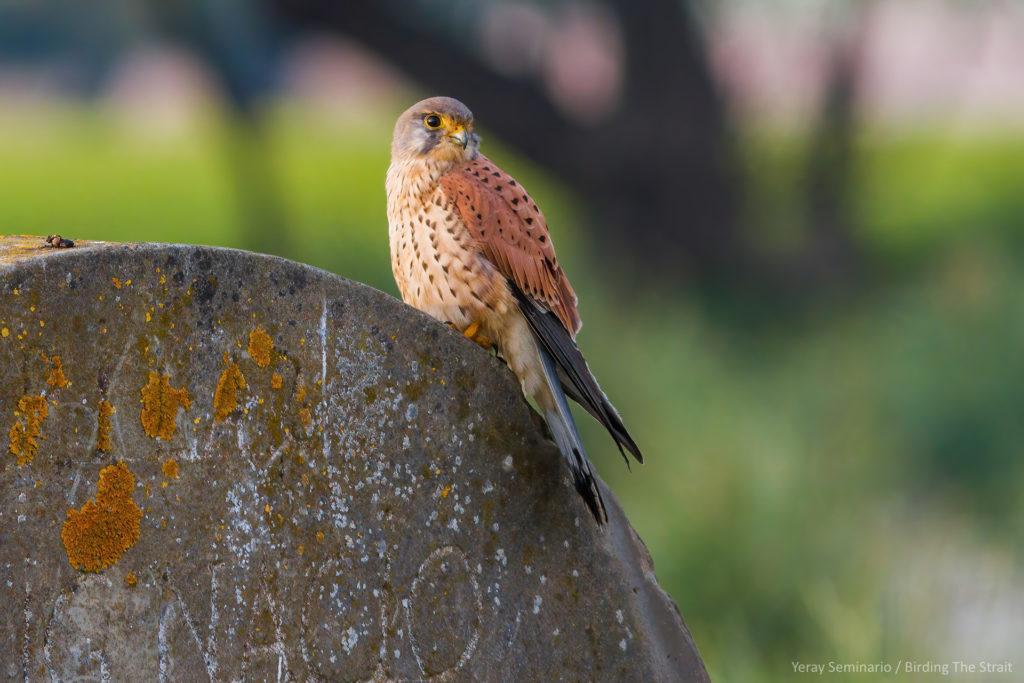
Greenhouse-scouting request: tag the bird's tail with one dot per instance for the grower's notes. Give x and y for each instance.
(567, 437)
(575, 377)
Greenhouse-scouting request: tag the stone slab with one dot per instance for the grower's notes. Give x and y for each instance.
(275, 473)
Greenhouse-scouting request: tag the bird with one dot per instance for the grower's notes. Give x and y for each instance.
(471, 248)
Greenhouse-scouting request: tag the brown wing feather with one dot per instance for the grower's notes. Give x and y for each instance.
(512, 233)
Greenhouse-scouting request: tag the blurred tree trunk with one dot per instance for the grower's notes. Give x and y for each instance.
(656, 173)
(831, 254)
(241, 44)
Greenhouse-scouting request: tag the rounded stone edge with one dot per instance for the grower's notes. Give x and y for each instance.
(671, 641)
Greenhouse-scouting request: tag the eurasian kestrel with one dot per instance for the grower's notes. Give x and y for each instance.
(470, 248)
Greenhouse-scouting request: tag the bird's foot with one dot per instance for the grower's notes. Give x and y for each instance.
(473, 332)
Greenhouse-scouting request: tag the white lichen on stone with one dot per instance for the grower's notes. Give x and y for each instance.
(350, 639)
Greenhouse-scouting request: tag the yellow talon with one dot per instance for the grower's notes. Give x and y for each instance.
(473, 332)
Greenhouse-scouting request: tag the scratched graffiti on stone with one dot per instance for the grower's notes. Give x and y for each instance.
(332, 486)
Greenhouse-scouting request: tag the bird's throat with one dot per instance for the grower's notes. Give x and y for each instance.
(415, 178)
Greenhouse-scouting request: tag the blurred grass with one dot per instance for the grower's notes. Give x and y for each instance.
(799, 469)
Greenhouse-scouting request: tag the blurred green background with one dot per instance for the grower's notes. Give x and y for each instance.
(834, 454)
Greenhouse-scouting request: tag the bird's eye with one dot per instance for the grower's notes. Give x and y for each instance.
(433, 121)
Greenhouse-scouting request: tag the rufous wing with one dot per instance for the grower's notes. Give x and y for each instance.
(512, 234)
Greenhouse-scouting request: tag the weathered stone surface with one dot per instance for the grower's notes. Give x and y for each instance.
(332, 487)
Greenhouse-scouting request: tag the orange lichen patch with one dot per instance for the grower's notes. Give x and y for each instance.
(170, 469)
(97, 536)
(160, 405)
(225, 397)
(23, 434)
(445, 491)
(261, 347)
(305, 416)
(103, 429)
(131, 579)
(57, 379)
(276, 381)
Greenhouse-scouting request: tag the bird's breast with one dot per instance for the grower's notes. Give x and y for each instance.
(436, 264)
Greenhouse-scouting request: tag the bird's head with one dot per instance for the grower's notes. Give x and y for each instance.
(439, 127)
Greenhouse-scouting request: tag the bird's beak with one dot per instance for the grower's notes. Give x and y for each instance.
(460, 135)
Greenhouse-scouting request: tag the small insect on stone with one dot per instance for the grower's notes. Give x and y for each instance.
(58, 242)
